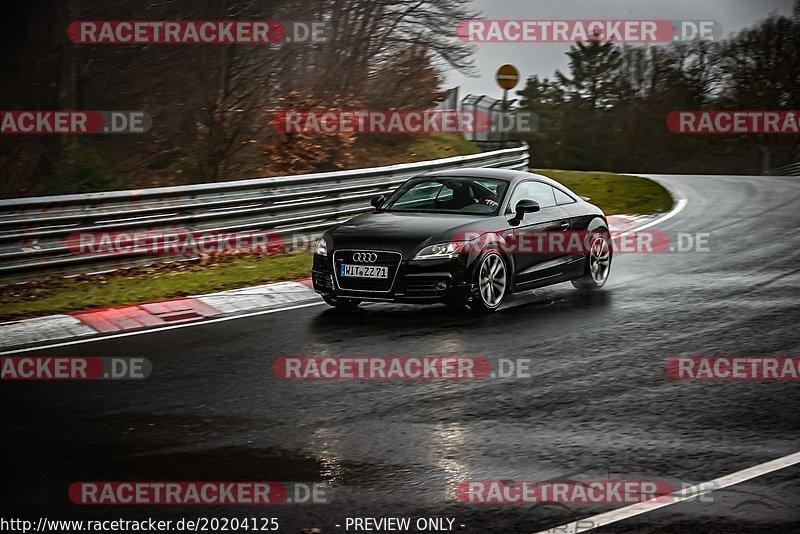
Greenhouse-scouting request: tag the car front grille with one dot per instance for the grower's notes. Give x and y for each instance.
(384, 259)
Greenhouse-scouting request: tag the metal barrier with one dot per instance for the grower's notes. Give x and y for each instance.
(792, 169)
(34, 230)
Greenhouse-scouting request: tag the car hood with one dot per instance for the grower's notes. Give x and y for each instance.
(406, 232)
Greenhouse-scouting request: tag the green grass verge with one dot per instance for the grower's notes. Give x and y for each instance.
(615, 193)
(442, 146)
(60, 295)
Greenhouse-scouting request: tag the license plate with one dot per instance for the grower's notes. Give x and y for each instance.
(363, 271)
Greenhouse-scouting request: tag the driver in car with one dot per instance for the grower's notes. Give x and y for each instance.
(464, 196)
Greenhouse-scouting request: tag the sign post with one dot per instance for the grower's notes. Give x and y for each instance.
(507, 78)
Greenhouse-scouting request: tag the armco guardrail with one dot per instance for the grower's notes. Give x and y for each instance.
(787, 170)
(33, 230)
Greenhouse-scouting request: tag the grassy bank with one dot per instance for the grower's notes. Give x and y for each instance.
(62, 295)
(429, 147)
(615, 193)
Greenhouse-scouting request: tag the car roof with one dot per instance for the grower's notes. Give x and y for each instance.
(500, 174)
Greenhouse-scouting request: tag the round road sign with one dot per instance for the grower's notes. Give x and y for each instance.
(507, 76)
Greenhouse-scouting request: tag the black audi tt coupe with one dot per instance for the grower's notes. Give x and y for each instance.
(465, 237)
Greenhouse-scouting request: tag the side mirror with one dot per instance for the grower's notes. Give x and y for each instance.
(526, 206)
(377, 201)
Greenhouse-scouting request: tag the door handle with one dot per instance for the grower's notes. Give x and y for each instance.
(564, 225)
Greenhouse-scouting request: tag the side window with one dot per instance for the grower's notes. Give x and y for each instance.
(562, 197)
(541, 193)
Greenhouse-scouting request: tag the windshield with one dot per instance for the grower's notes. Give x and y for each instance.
(448, 194)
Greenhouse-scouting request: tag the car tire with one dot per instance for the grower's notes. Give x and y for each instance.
(492, 281)
(342, 304)
(598, 262)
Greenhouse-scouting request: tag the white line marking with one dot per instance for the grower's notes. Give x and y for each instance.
(597, 521)
(161, 328)
(682, 202)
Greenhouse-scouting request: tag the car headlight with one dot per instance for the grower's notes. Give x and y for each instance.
(322, 247)
(441, 251)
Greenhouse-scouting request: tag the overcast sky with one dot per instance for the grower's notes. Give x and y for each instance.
(544, 58)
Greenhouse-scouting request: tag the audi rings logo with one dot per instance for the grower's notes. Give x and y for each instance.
(365, 257)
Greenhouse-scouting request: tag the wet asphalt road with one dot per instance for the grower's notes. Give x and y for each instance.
(598, 402)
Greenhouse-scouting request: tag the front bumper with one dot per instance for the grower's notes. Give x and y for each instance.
(414, 281)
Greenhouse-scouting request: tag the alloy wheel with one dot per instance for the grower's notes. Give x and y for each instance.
(492, 280)
(599, 259)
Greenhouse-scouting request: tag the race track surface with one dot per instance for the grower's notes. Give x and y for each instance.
(598, 402)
